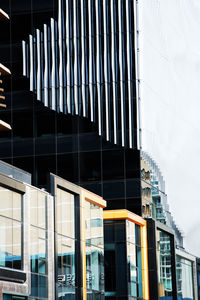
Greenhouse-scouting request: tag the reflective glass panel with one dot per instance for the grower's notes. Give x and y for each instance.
(17, 202)
(184, 277)
(6, 205)
(94, 249)
(65, 244)
(134, 260)
(65, 213)
(10, 229)
(163, 244)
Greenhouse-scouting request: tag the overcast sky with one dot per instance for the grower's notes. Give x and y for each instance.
(170, 96)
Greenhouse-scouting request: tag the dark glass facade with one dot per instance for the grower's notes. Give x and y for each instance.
(164, 267)
(162, 263)
(123, 262)
(45, 141)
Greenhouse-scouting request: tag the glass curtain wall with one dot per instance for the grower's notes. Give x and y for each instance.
(65, 245)
(11, 225)
(115, 259)
(38, 238)
(134, 259)
(184, 275)
(94, 251)
(123, 263)
(164, 264)
(55, 142)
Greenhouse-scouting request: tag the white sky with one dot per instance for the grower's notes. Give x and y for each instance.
(170, 104)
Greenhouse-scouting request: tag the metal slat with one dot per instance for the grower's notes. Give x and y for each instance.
(31, 63)
(98, 70)
(60, 35)
(83, 58)
(38, 42)
(46, 66)
(53, 65)
(113, 51)
(90, 62)
(130, 96)
(24, 58)
(75, 60)
(27, 60)
(68, 70)
(121, 76)
(106, 71)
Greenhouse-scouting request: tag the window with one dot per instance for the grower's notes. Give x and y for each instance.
(184, 275)
(164, 264)
(38, 238)
(65, 243)
(134, 260)
(11, 229)
(94, 249)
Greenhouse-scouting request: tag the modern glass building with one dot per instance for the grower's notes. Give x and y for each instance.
(186, 275)
(87, 121)
(79, 244)
(73, 101)
(126, 259)
(51, 244)
(154, 197)
(161, 253)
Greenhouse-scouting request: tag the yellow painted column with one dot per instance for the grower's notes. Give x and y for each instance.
(145, 274)
(83, 246)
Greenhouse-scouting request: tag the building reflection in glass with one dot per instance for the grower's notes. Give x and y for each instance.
(79, 243)
(123, 260)
(38, 244)
(134, 259)
(164, 263)
(184, 275)
(147, 204)
(65, 244)
(11, 229)
(94, 251)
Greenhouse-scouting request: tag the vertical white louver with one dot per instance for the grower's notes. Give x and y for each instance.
(99, 104)
(90, 61)
(46, 66)
(86, 66)
(130, 97)
(75, 59)
(121, 76)
(31, 62)
(113, 67)
(60, 43)
(38, 41)
(68, 69)
(24, 55)
(53, 66)
(83, 37)
(106, 69)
